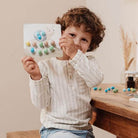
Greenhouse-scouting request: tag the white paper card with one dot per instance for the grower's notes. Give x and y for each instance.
(42, 40)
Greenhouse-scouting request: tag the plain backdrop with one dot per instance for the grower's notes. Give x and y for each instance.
(16, 110)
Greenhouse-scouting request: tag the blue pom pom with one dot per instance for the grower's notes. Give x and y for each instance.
(106, 90)
(39, 37)
(95, 88)
(32, 50)
(112, 87)
(43, 33)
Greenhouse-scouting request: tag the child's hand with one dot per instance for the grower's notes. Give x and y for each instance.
(31, 67)
(68, 46)
(93, 119)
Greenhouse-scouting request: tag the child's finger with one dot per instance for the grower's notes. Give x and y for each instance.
(63, 45)
(31, 66)
(27, 58)
(28, 63)
(66, 36)
(62, 39)
(64, 49)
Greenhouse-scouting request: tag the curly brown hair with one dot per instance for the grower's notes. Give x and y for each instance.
(82, 15)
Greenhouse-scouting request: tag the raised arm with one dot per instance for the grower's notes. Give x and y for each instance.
(87, 68)
(39, 83)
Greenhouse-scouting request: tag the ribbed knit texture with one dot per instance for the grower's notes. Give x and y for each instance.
(63, 92)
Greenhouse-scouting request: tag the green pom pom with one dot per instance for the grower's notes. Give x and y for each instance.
(51, 48)
(40, 53)
(46, 51)
(41, 45)
(115, 90)
(133, 90)
(100, 89)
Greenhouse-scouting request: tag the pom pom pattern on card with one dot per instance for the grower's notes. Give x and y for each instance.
(42, 40)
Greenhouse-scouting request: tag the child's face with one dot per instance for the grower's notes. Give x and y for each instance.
(81, 38)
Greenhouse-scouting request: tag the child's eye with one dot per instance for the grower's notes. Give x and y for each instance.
(83, 39)
(72, 34)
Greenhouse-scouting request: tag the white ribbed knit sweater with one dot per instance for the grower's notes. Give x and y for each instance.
(63, 92)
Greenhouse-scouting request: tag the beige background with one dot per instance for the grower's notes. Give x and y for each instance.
(115, 13)
(16, 111)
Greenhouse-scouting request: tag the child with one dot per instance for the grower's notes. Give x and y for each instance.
(60, 86)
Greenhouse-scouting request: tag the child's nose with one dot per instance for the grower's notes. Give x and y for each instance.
(77, 42)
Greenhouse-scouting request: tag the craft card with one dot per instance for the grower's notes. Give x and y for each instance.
(42, 40)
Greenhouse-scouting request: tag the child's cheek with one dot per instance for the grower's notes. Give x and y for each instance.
(85, 48)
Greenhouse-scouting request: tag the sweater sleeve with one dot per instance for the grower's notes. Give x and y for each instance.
(39, 89)
(87, 68)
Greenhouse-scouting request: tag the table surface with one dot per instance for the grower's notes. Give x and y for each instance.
(117, 103)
